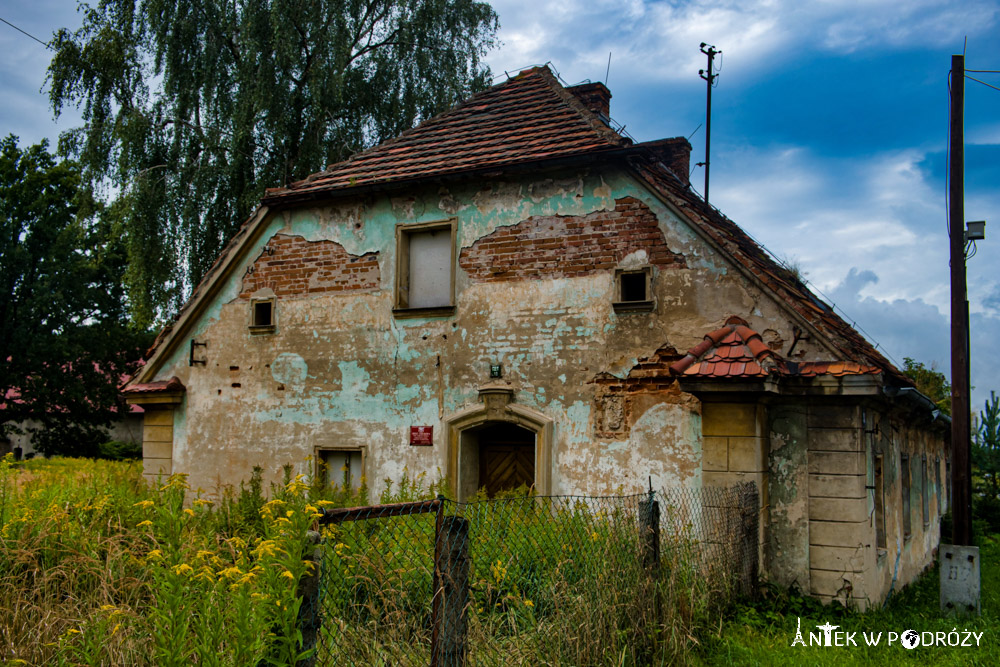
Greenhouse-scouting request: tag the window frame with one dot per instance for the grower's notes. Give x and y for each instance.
(905, 483)
(879, 493)
(318, 451)
(402, 283)
(646, 305)
(925, 496)
(263, 328)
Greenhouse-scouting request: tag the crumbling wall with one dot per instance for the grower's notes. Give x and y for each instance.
(341, 371)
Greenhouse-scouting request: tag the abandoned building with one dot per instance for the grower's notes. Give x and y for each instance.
(513, 292)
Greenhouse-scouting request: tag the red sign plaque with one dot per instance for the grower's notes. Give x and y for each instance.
(422, 436)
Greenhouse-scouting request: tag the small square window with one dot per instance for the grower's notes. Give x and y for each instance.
(425, 269)
(634, 290)
(262, 315)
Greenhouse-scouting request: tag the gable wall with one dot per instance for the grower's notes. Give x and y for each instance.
(534, 285)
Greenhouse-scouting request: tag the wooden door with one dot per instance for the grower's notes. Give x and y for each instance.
(506, 458)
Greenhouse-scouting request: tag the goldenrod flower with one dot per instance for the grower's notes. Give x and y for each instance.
(155, 554)
(231, 573)
(144, 504)
(183, 569)
(143, 524)
(203, 554)
(201, 502)
(529, 603)
(287, 574)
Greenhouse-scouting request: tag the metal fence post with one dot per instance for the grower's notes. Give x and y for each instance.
(749, 504)
(451, 592)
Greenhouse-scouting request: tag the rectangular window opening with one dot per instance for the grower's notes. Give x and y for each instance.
(879, 504)
(904, 466)
(340, 468)
(634, 290)
(262, 315)
(925, 496)
(937, 484)
(425, 269)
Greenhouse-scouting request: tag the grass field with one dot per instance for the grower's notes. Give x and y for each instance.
(762, 633)
(99, 568)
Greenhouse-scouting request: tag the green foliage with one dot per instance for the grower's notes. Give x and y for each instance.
(117, 450)
(930, 382)
(762, 633)
(986, 463)
(247, 95)
(64, 339)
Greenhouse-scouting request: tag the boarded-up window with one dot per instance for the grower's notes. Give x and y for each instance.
(343, 468)
(879, 503)
(925, 495)
(937, 483)
(904, 469)
(425, 269)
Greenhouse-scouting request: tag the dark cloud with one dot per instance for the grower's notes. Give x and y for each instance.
(916, 329)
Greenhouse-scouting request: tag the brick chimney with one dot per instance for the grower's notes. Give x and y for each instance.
(595, 96)
(675, 153)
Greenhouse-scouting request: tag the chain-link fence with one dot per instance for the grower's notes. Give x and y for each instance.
(527, 580)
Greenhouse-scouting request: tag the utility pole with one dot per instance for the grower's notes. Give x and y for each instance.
(710, 79)
(961, 465)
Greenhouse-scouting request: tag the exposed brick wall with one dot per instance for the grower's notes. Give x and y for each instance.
(559, 246)
(293, 266)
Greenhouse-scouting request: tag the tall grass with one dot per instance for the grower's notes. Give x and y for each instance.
(98, 567)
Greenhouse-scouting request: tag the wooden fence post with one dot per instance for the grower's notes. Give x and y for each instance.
(309, 619)
(451, 592)
(649, 520)
(749, 504)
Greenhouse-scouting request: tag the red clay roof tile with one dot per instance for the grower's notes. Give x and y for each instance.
(524, 119)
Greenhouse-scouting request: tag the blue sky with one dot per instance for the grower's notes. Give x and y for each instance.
(829, 131)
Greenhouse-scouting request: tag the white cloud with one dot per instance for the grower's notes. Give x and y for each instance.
(657, 41)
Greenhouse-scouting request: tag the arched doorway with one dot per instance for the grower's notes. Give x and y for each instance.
(498, 444)
(497, 456)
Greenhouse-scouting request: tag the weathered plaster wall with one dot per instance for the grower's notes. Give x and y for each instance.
(841, 535)
(787, 553)
(906, 556)
(341, 371)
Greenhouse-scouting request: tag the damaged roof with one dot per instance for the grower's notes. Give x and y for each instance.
(530, 121)
(737, 351)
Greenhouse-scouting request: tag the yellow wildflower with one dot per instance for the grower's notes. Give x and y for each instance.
(529, 603)
(201, 502)
(155, 554)
(183, 569)
(189, 511)
(287, 574)
(203, 554)
(325, 503)
(267, 548)
(143, 524)
(144, 504)
(231, 573)
(594, 536)
(116, 629)
(108, 607)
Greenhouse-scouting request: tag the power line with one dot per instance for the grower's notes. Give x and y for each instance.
(25, 32)
(972, 78)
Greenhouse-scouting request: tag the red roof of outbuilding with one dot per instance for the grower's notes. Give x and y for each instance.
(737, 351)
